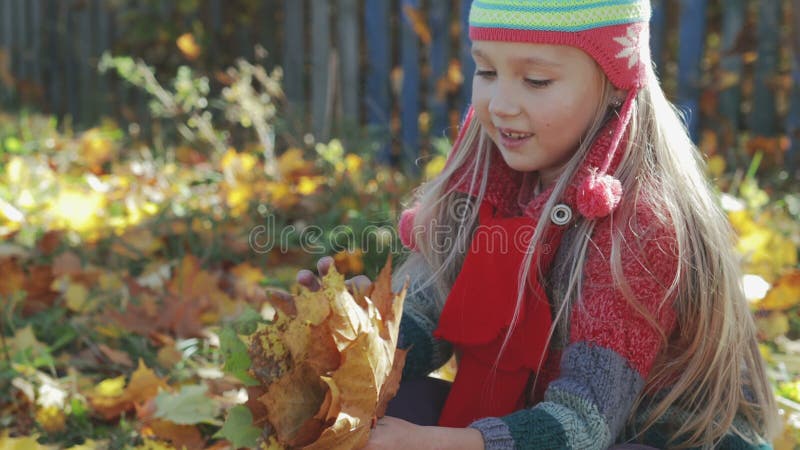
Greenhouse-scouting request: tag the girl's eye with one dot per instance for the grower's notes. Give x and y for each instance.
(484, 73)
(538, 83)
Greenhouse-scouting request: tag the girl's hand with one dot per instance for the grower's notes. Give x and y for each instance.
(392, 433)
(309, 280)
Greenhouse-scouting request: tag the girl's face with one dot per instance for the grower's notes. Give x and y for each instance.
(536, 102)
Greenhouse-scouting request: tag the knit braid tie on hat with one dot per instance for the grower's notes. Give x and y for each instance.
(615, 33)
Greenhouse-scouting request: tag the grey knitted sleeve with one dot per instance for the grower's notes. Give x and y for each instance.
(420, 318)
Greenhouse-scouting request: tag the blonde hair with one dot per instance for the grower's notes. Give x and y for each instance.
(712, 357)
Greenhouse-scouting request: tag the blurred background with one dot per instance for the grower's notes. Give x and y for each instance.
(165, 165)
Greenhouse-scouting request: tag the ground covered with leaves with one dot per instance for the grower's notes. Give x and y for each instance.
(137, 286)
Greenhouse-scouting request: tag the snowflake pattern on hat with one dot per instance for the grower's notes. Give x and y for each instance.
(631, 47)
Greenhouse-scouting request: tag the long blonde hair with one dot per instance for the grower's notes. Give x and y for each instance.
(712, 355)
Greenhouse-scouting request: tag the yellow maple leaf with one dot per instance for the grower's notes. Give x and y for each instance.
(13, 278)
(76, 298)
(309, 185)
(96, 149)
(351, 262)
(20, 443)
(90, 444)
(434, 167)
(291, 161)
(107, 400)
(784, 294)
(25, 342)
(137, 243)
(418, 23)
(51, 418)
(188, 46)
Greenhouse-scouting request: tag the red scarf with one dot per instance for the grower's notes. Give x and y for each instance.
(477, 316)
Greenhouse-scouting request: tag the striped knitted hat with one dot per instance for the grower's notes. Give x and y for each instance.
(616, 34)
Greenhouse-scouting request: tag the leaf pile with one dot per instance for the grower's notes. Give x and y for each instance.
(327, 370)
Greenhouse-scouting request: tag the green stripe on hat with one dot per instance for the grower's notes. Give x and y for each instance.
(554, 15)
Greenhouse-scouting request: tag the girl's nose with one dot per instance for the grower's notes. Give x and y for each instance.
(504, 103)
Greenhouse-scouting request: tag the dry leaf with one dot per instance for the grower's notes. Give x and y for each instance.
(67, 263)
(330, 369)
(143, 386)
(392, 384)
(292, 402)
(784, 294)
(417, 20)
(187, 437)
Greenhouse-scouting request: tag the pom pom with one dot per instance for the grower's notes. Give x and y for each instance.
(598, 195)
(405, 228)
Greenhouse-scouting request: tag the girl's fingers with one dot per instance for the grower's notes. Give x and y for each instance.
(359, 283)
(323, 265)
(308, 279)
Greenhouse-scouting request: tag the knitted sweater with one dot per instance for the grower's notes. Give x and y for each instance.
(592, 382)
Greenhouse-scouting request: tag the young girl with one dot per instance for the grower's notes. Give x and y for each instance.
(573, 256)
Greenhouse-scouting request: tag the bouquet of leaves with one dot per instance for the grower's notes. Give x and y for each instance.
(327, 365)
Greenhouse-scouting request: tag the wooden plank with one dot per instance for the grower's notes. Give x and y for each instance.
(690, 53)
(731, 64)
(54, 57)
(268, 35)
(409, 93)
(763, 118)
(348, 33)
(102, 43)
(657, 25)
(377, 105)
(793, 118)
(7, 45)
(21, 28)
(36, 41)
(467, 64)
(214, 21)
(71, 77)
(320, 72)
(294, 56)
(439, 23)
(85, 73)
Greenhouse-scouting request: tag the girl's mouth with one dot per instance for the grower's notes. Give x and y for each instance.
(510, 139)
(514, 134)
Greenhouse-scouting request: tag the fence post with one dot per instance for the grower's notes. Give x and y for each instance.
(763, 114)
(439, 23)
(730, 95)
(409, 93)
(36, 44)
(690, 55)
(102, 43)
(376, 98)
(320, 75)
(793, 118)
(467, 64)
(7, 47)
(294, 55)
(21, 40)
(71, 88)
(349, 60)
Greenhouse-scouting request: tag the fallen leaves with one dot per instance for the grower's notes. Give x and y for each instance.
(109, 399)
(329, 371)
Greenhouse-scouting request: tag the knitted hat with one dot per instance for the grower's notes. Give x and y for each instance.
(615, 33)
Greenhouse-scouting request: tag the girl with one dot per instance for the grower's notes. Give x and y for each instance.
(573, 256)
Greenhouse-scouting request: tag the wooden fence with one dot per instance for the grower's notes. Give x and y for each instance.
(403, 66)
